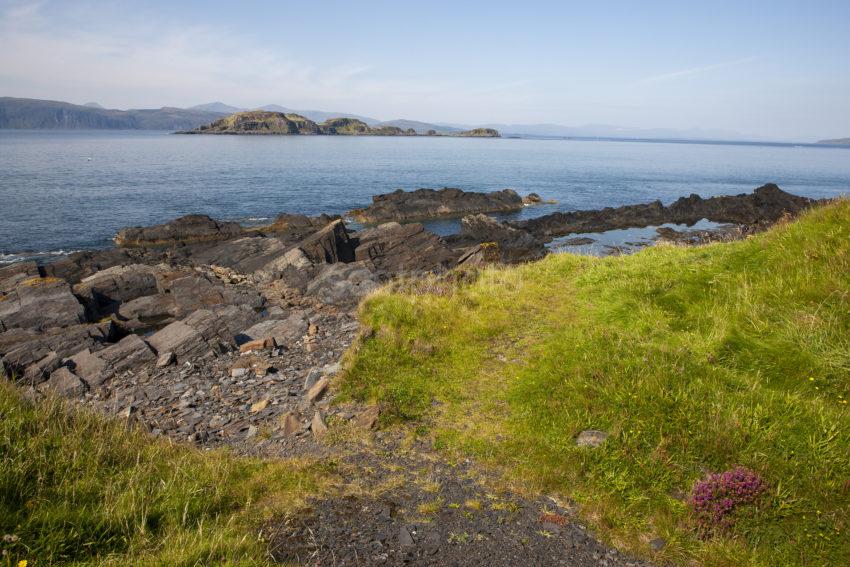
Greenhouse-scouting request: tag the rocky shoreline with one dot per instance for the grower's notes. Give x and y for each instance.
(196, 291)
(218, 335)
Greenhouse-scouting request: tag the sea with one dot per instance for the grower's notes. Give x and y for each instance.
(62, 191)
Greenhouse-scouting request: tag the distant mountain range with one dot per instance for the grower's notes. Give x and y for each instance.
(836, 141)
(40, 114)
(47, 114)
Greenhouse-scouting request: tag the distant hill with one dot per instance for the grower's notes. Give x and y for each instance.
(93, 105)
(320, 115)
(216, 107)
(51, 114)
(266, 122)
(420, 127)
(836, 141)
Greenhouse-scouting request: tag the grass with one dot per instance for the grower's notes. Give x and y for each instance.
(695, 360)
(77, 488)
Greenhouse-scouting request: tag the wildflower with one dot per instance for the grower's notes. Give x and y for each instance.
(716, 497)
(22, 563)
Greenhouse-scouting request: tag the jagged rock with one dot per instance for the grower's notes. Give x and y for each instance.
(128, 353)
(514, 245)
(343, 284)
(428, 203)
(766, 204)
(40, 302)
(259, 406)
(201, 332)
(190, 228)
(165, 359)
(329, 245)
(394, 249)
(65, 383)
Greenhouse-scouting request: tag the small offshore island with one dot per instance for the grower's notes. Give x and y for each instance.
(265, 122)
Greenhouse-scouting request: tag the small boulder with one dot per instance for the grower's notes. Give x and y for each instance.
(259, 406)
(368, 418)
(290, 423)
(591, 438)
(165, 359)
(318, 389)
(317, 426)
(65, 383)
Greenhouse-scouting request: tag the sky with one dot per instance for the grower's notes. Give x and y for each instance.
(767, 69)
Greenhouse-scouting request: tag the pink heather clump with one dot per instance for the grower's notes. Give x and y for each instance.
(714, 498)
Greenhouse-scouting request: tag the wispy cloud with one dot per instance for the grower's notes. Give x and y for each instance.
(695, 70)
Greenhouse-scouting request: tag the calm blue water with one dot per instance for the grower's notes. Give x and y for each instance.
(74, 189)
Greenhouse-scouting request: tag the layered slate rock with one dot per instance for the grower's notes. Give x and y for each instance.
(343, 284)
(393, 249)
(105, 290)
(429, 203)
(766, 204)
(190, 228)
(39, 302)
(203, 332)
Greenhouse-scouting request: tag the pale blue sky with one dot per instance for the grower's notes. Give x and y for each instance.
(776, 69)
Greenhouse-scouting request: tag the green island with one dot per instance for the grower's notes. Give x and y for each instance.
(264, 122)
(690, 359)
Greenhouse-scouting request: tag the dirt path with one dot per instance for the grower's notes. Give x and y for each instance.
(403, 504)
(395, 500)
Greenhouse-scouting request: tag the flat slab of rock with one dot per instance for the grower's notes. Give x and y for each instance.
(591, 438)
(768, 203)
(190, 228)
(40, 302)
(429, 203)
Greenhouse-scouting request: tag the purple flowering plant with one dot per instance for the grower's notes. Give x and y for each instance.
(714, 499)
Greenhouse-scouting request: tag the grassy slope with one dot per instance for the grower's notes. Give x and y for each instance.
(695, 359)
(79, 489)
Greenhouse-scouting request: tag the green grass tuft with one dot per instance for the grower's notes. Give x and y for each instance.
(694, 359)
(77, 488)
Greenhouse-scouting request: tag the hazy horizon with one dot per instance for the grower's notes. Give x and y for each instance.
(770, 70)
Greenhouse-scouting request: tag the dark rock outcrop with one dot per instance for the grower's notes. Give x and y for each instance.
(766, 204)
(429, 203)
(191, 228)
(393, 249)
(38, 302)
(512, 245)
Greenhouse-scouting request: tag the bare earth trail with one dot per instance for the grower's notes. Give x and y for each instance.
(395, 500)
